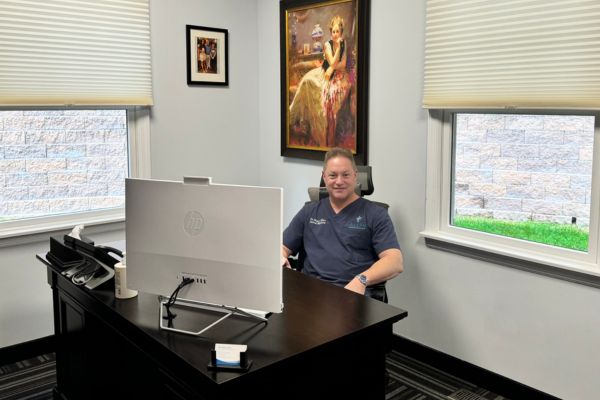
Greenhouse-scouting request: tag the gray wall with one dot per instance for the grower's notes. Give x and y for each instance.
(202, 131)
(539, 331)
(536, 330)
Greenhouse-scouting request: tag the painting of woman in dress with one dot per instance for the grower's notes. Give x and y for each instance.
(322, 77)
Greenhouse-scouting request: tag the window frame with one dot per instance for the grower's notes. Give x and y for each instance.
(138, 146)
(581, 267)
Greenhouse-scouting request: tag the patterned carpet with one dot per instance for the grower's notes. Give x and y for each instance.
(409, 379)
(31, 379)
(414, 380)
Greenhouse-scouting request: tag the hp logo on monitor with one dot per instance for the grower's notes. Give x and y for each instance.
(193, 223)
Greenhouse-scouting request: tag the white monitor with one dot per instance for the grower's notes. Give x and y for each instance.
(225, 237)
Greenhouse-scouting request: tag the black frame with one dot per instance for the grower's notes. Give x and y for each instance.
(223, 78)
(361, 86)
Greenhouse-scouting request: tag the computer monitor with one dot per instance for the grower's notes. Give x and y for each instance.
(227, 238)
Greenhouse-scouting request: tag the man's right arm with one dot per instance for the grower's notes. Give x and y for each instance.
(292, 237)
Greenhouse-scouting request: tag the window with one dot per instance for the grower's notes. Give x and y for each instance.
(511, 154)
(60, 167)
(75, 87)
(524, 176)
(515, 185)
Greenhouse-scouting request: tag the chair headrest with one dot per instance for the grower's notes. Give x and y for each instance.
(365, 179)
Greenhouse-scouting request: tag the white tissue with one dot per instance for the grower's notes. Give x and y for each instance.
(76, 232)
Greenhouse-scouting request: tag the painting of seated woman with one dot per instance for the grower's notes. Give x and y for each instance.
(322, 77)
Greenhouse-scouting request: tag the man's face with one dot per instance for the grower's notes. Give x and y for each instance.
(340, 178)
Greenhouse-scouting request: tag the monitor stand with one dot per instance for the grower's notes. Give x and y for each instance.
(227, 310)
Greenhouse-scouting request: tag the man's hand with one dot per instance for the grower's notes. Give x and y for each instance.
(285, 253)
(389, 265)
(355, 286)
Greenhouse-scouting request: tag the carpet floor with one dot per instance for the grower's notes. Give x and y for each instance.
(31, 379)
(414, 380)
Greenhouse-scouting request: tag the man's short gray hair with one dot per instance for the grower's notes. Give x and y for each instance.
(339, 152)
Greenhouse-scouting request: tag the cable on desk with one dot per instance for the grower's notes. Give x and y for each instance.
(170, 316)
(88, 270)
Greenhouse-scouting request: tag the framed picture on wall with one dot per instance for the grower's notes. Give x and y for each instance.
(207, 56)
(324, 77)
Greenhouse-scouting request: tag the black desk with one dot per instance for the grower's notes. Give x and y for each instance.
(327, 337)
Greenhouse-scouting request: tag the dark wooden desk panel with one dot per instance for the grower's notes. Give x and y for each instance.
(326, 337)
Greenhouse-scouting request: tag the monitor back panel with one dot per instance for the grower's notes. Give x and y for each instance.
(225, 237)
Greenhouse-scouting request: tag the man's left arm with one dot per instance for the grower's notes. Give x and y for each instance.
(389, 265)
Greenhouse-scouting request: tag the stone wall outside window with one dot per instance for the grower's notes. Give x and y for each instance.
(524, 167)
(61, 161)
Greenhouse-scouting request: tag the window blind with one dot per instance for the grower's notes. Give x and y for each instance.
(512, 54)
(75, 52)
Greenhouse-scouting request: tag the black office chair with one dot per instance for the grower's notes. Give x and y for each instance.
(364, 187)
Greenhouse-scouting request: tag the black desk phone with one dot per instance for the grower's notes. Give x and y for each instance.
(83, 262)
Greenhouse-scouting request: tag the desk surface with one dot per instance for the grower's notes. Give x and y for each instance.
(315, 314)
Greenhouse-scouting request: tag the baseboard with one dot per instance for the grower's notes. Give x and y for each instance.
(469, 372)
(25, 350)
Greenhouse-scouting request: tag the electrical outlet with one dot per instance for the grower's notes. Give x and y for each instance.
(197, 278)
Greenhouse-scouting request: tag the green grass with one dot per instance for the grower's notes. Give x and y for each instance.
(567, 236)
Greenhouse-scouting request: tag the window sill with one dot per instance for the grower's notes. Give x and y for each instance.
(39, 229)
(542, 264)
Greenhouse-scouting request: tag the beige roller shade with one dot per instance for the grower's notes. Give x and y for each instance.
(75, 52)
(512, 53)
